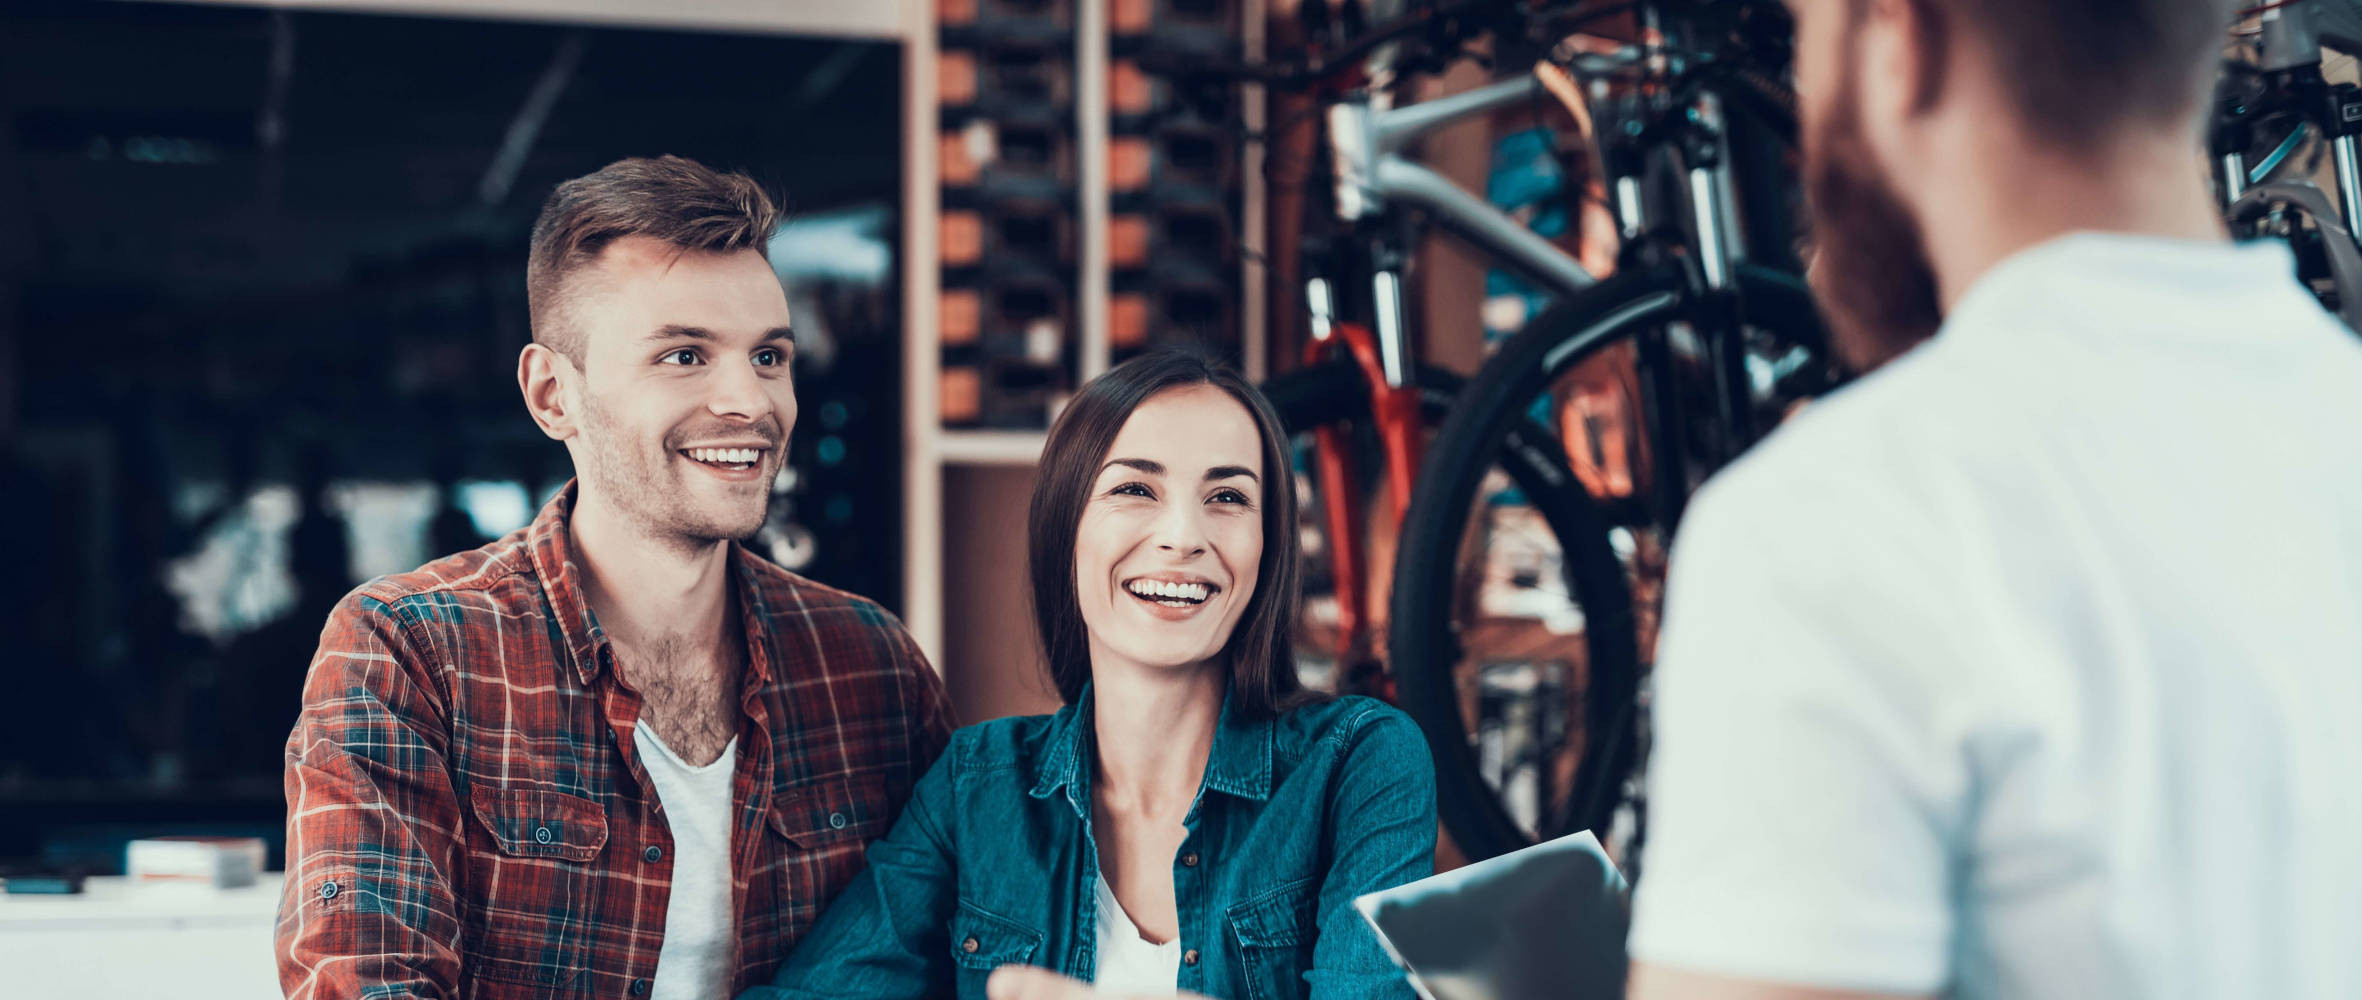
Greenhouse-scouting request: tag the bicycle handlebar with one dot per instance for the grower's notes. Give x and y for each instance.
(1452, 23)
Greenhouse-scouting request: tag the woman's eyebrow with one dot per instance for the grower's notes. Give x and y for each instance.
(1141, 464)
(1231, 472)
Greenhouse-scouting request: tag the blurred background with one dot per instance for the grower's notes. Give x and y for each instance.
(262, 289)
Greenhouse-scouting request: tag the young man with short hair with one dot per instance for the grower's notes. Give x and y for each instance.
(615, 754)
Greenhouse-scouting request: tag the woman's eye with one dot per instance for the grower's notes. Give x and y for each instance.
(684, 356)
(1132, 490)
(1233, 496)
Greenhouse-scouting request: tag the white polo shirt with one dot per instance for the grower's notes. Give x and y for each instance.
(2031, 664)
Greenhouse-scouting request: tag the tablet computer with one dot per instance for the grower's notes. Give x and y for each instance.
(1547, 921)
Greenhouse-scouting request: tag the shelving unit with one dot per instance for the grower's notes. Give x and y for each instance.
(966, 484)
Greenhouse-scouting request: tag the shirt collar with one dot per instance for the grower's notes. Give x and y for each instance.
(2091, 275)
(1239, 763)
(552, 547)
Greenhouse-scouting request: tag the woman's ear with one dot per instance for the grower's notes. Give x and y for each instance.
(551, 384)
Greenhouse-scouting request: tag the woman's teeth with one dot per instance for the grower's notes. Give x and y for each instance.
(1167, 592)
(725, 456)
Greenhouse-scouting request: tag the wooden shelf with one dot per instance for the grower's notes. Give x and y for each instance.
(958, 447)
(982, 459)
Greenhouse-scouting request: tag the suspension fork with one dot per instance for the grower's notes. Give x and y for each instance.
(1721, 245)
(1394, 411)
(1386, 355)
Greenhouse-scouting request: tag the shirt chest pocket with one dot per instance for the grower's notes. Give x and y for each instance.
(825, 825)
(982, 942)
(532, 894)
(1275, 932)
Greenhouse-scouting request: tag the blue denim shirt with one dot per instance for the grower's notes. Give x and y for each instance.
(992, 862)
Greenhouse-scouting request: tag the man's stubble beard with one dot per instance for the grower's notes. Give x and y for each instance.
(1871, 271)
(651, 499)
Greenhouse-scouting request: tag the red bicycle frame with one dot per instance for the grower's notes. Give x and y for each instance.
(1394, 413)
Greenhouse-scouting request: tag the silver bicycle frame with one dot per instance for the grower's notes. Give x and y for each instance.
(1367, 139)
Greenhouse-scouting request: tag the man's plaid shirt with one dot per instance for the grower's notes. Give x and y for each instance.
(468, 815)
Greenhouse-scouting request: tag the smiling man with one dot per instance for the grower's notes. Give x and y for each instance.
(614, 754)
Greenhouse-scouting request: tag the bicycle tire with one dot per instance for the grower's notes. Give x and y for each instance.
(1421, 636)
(1338, 392)
(1335, 392)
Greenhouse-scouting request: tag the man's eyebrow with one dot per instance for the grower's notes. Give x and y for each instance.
(1142, 464)
(1231, 472)
(676, 331)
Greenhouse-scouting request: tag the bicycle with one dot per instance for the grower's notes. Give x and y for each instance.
(2273, 104)
(1535, 718)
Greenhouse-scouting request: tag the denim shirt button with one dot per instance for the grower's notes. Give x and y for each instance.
(1189, 860)
(969, 946)
(1189, 957)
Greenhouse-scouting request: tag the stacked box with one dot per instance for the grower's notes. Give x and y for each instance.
(1173, 181)
(1005, 76)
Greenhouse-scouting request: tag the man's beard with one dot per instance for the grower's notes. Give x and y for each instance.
(1870, 270)
(650, 493)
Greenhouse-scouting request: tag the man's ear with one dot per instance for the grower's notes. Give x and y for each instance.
(550, 382)
(1901, 62)
(1921, 59)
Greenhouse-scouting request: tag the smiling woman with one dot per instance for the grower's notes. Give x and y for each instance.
(1109, 517)
(1192, 819)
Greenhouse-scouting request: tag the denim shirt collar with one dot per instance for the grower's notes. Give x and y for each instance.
(1239, 763)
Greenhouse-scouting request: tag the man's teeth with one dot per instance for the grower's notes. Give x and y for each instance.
(726, 456)
(1169, 590)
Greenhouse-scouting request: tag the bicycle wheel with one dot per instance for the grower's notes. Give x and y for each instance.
(1429, 637)
(1544, 557)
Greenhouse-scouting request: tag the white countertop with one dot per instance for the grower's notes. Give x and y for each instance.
(140, 942)
(114, 902)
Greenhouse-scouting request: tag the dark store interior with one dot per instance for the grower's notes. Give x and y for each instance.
(261, 297)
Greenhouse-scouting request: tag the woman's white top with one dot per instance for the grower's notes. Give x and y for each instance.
(1127, 962)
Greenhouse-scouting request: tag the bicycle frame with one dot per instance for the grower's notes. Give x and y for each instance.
(1372, 175)
(2289, 65)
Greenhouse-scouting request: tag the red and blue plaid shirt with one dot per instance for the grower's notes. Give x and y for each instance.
(468, 815)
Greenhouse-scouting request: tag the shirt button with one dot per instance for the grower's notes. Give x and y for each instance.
(541, 835)
(653, 853)
(639, 987)
(329, 889)
(1189, 860)
(968, 946)
(1189, 957)
(836, 821)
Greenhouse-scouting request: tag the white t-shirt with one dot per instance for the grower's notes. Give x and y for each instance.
(699, 955)
(1128, 963)
(2031, 664)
